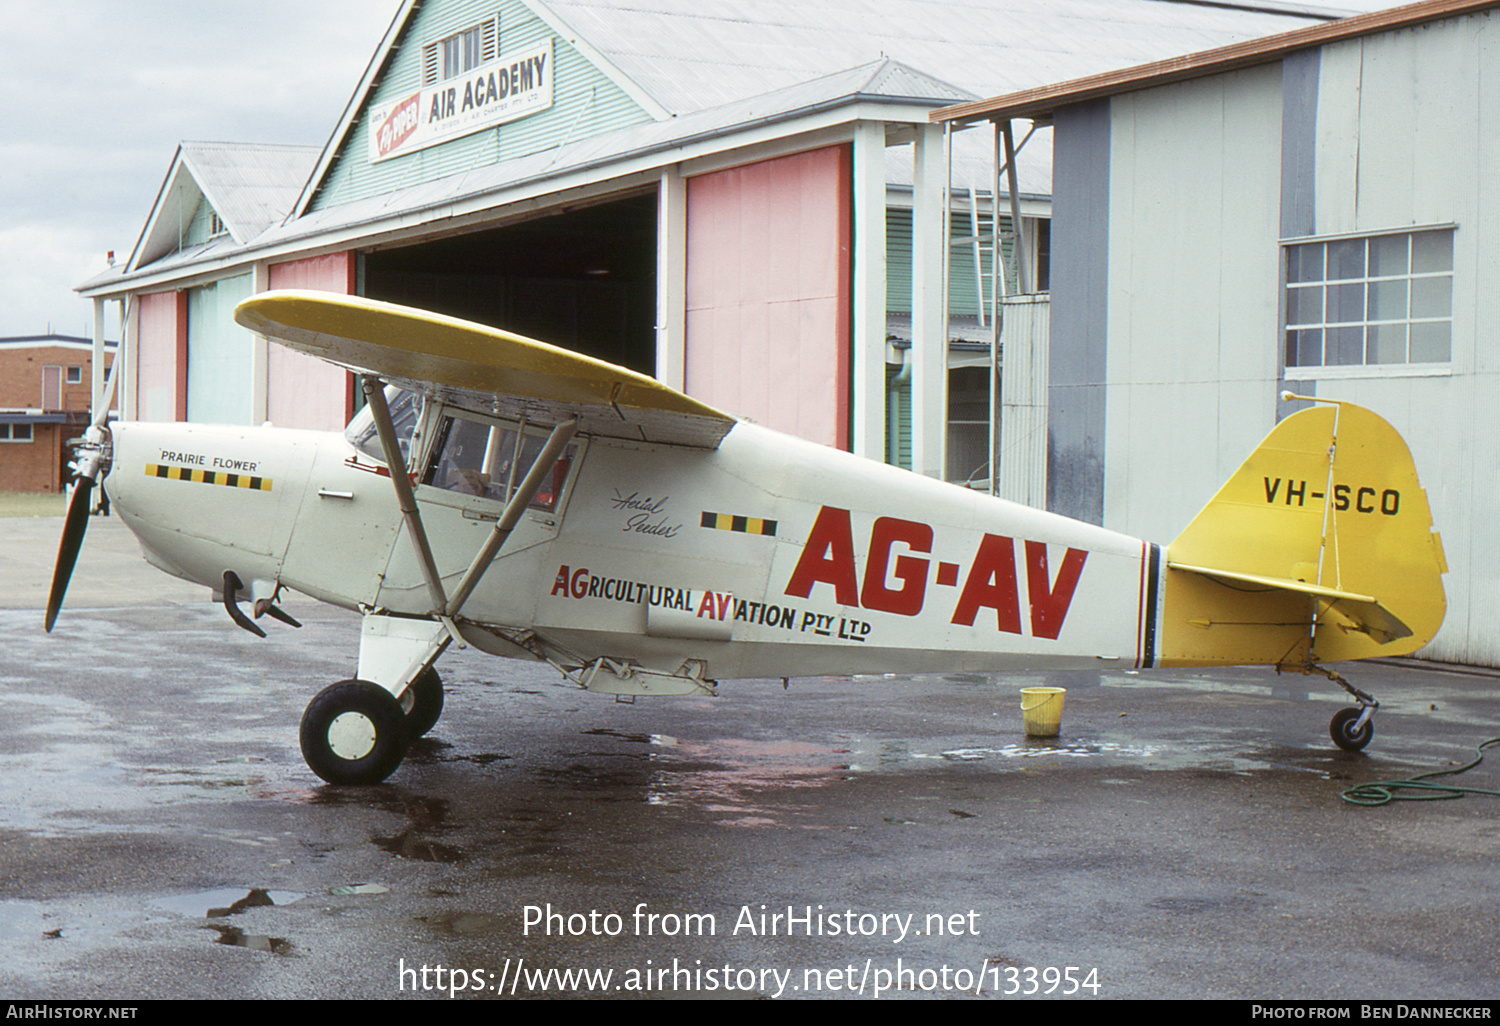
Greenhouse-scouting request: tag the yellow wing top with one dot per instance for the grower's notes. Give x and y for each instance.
(481, 368)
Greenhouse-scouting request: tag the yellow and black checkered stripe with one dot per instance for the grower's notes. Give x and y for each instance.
(745, 525)
(213, 477)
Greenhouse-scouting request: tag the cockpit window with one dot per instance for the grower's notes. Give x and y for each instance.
(483, 459)
(361, 432)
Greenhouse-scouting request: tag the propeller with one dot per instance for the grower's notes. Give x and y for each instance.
(89, 467)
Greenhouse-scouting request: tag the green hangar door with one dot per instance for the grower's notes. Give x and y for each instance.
(584, 279)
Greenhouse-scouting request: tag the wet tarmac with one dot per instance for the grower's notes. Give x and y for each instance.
(1183, 837)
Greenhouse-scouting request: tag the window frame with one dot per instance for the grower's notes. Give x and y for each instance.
(1367, 280)
(552, 498)
(458, 53)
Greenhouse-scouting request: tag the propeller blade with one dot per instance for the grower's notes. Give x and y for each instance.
(67, 551)
(101, 415)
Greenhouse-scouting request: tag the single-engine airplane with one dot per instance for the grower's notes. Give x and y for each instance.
(536, 503)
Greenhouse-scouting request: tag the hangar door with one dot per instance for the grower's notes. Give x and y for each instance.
(768, 292)
(584, 280)
(220, 367)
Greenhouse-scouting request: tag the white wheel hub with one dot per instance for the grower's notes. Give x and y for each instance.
(351, 735)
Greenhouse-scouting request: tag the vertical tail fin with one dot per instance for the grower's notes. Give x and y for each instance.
(1319, 548)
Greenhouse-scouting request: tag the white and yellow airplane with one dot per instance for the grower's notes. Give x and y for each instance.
(531, 502)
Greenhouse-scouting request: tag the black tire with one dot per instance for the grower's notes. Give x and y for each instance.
(423, 702)
(1341, 729)
(353, 732)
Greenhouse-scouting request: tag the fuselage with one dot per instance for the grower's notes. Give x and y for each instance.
(765, 556)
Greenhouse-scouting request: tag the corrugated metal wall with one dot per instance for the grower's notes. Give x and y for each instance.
(1025, 330)
(585, 103)
(156, 371)
(1404, 135)
(303, 391)
(1193, 280)
(220, 366)
(768, 292)
(1407, 135)
(963, 289)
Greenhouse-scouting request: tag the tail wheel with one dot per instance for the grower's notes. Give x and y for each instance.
(423, 702)
(354, 732)
(1341, 729)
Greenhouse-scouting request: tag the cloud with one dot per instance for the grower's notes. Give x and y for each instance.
(109, 89)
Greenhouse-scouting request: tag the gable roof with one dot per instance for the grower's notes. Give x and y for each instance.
(680, 57)
(251, 186)
(1041, 102)
(884, 81)
(691, 54)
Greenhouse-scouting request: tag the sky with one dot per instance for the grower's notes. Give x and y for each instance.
(102, 92)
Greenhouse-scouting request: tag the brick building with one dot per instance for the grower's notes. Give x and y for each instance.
(45, 392)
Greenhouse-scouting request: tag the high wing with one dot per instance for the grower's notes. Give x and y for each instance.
(484, 370)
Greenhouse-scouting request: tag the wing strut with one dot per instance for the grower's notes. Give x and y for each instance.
(519, 500)
(375, 393)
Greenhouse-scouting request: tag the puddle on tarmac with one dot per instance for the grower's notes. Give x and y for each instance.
(1032, 749)
(414, 844)
(427, 819)
(727, 776)
(223, 901)
(746, 782)
(24, 921)
(234, 937)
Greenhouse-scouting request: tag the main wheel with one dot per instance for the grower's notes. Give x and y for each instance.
(423, 702)
(354, 732)
(1341, 729)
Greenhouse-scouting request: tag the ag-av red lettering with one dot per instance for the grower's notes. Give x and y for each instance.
(899, 585)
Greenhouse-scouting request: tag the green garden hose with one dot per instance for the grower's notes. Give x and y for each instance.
(1383, 792)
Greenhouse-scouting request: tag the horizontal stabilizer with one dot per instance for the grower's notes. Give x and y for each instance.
(482, 369)
(1364, 612)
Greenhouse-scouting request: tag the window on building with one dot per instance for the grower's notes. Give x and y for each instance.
(1041, 229)
(969, 425)
(15, 433)
(75, 375)
(461, 52)
(1370, 300)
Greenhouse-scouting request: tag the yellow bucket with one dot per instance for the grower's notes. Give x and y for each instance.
(1041, 710)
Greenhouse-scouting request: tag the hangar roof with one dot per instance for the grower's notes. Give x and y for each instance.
(251, 186)
(691, 54)
(680, 57)
(1040, 102)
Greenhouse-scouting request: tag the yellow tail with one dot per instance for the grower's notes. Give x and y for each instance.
(1320, 548)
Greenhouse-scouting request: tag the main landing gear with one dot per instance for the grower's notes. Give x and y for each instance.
(356, 732)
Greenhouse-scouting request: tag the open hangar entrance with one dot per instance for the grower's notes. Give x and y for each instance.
(583, 279)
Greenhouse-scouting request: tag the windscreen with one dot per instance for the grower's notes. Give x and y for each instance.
(405, 408)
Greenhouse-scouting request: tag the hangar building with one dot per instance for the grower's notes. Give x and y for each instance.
(1309, 212)
(747, 201)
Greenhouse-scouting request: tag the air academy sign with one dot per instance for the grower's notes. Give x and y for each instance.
(512, 87)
